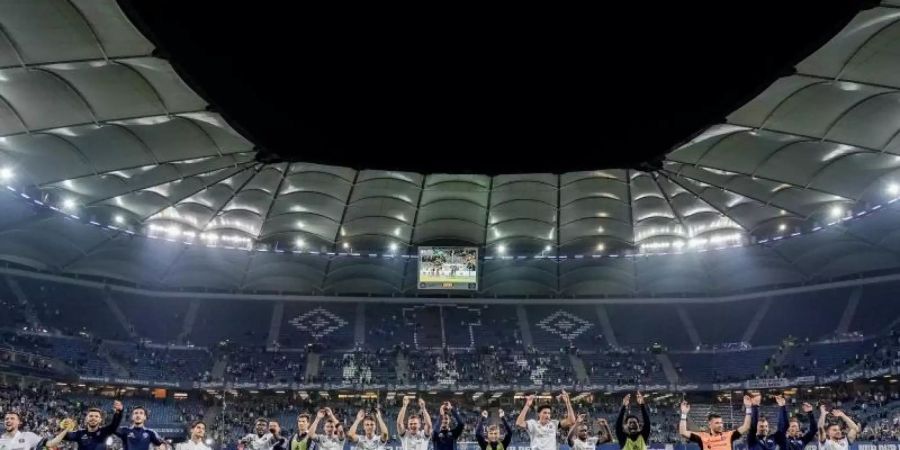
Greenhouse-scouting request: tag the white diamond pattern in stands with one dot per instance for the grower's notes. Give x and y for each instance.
(565, 325)
(318, 323)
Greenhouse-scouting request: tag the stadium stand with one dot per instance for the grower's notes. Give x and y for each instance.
(308, 323)
(159, 319)
(215, 323)
(72, 309)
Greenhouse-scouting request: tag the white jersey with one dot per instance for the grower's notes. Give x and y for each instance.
(416, 441)
(20, 440)
(253, 441)
(841, 444)
(329, 443)
(373, 443)
(191, 445)
(543, 437)
(587, 444)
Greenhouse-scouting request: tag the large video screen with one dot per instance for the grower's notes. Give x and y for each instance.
(451, 268)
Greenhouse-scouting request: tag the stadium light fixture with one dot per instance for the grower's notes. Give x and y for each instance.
(782, 227)
(299, 243)
(600, 247)
(119, 219)
(6, 173)
(836, 211)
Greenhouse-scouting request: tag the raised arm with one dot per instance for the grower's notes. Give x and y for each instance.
(314, 427)
(578, 422)
(620, 421)
(460, 423)
(823, 412)
(783, 415)
(811, 432)
(570, 413)
(382, 427)
(852, 427)
(113, 424)
(507, 430)
(436, 426)
(66, 426)
(426, 419)
(645, 417)
(351, 433)
(752, 439)
(682, 424)
(604, 435)
(521, 421)
(479, 429)
(401, 417)
(749, 401)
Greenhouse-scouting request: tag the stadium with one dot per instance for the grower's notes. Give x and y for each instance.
(195, 255)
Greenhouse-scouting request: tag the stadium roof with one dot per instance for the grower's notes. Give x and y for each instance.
(109, 136)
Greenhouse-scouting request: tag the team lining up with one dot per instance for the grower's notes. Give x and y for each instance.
(417, 432)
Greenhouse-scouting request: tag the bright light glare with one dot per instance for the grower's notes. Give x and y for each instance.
(300, 243)
(501, 249)
(68, 203)
(600, 247)
(119, 219)
(547, 248)
(6, 173)
(782, 227)
(346, 245)
(393, 247)
(836, 211)
(893, 189)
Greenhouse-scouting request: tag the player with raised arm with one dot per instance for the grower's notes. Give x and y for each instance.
(789, 436)
(92, 436)
(260, 438)
(333, 438)
(831, 437)
(717, 438)
(416, 434)
(137, 437)
(370, 440)
(15, 439)
(758, 438)
(631, 433)
(195, 442)
(543, 430)
(492, 441)
(579, 436)
(445, 437)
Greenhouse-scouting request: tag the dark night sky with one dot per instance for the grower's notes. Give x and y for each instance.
(468, 89)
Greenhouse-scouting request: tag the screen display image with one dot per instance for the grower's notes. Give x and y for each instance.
(454, 268)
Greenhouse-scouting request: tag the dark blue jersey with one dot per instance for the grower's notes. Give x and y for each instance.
(94, 440)
(446, 439)
(138, 438)
(755, 441)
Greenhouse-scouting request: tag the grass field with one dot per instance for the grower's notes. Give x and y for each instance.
(423, 278)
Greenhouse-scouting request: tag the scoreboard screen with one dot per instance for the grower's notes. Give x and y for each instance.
(448, 268)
